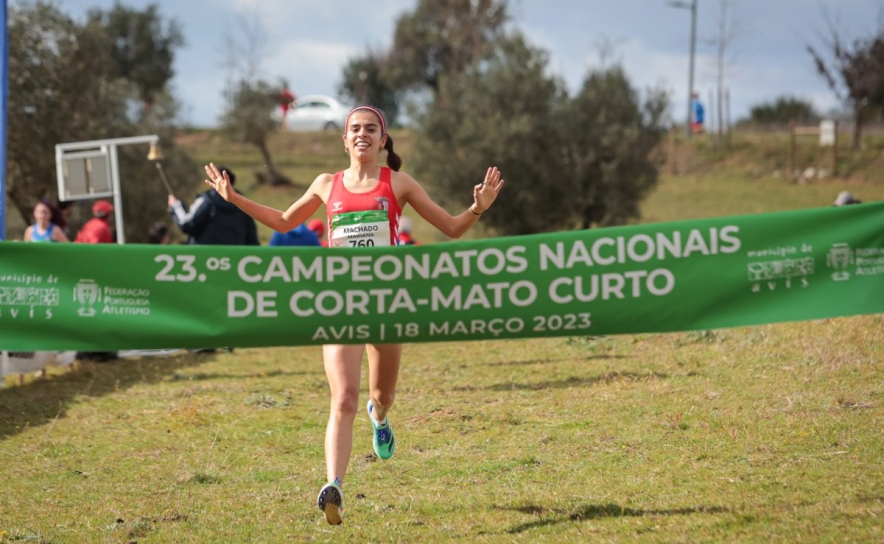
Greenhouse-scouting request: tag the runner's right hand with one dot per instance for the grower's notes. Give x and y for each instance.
(219, 181)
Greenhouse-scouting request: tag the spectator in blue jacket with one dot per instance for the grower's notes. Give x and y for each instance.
(698, 116)
(298, 236)
(212, 220)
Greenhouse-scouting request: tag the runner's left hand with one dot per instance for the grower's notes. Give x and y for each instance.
(486, 192)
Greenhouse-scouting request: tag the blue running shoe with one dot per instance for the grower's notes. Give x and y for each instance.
(384, 442)
(331, 502)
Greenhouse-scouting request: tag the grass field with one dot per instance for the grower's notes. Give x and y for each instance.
(757, 434)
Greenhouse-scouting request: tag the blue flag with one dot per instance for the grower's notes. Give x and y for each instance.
(4, 86)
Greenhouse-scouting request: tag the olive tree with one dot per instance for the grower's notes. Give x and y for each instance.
(249, 121)
(608, 134)
(568, 162)
(437, 39)
(64, 86)
(854, 71)
(50, 100)
(443, 37)
(500, 112)
(251, 100)
(365, 81)
(142, 47)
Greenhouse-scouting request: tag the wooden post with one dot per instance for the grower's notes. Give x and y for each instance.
(711, 121)
(835, 152)
(791, 150)
(727, 96)
(673, 153)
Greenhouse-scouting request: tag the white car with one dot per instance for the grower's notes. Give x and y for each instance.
(317, 112)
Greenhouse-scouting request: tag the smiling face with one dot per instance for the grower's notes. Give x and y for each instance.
(364, 138)
(42, 215)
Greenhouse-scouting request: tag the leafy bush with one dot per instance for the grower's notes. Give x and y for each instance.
(783, 110)
(568, 163)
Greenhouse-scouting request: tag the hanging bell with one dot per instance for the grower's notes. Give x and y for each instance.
(155, 153)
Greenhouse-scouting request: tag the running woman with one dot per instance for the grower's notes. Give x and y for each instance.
(364, 193)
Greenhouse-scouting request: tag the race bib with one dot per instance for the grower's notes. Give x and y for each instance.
(360, 229)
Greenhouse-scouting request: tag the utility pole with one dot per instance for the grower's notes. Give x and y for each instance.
(692, 5)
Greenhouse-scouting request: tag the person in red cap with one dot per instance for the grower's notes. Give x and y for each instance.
(318, 228)
(405, 236)
(97, 230)
(287, 100)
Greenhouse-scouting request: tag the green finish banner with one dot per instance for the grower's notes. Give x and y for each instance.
(679, 276)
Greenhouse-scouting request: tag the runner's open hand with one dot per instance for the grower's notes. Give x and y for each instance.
(485, 192)
(219, 181)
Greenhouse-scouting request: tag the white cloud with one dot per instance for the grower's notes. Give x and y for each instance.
(285, 19)
(312, 67)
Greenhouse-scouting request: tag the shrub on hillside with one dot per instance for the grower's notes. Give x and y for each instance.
(782, 111)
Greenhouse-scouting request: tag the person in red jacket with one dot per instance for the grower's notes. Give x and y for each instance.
(97, 230)
(318, 228)
(287, 100)
(405, 237)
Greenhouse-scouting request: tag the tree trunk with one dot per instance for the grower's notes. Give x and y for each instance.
(857, 126)
(23, 202)
(274, 177)
(720, 125)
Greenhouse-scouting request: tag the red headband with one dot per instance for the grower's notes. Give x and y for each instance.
(371, 109)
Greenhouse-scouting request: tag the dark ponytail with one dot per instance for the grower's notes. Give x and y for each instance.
(394, 161)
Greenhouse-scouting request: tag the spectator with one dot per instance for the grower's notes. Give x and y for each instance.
(844, 198)
(298, 236)
(158, 234)
(214, 221)
(44, 230)
(287, 100)
(61, 212)
(98, 230)
(698, 115)
(318, 228)
(405, 237)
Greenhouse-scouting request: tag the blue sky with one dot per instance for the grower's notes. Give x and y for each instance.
(309, 42)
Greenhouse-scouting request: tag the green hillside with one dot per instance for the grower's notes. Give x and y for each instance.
(697, 179)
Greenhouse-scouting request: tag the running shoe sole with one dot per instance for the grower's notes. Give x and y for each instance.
(331, 502)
